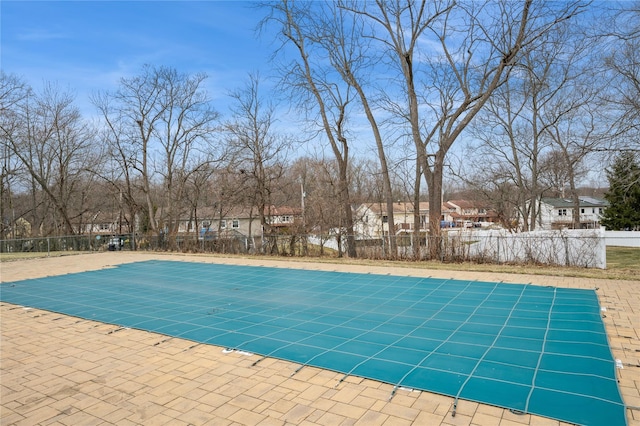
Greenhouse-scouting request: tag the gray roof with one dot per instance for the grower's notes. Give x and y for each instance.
(568, 202)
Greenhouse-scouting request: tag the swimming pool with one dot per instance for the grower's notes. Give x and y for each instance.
(532, 349)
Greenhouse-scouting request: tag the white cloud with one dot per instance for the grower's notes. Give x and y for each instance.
(40, 35)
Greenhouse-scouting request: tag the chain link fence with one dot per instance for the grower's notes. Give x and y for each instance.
(73, 243)
(581, 248)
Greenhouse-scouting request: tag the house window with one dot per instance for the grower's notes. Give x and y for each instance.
(593, 210)
(223, 224)
(206, 224)
(104, 226)
(235, 224)
(385, 219)
(562, 212)
(286, 219)
(582, 211)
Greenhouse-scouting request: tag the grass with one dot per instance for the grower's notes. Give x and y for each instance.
(623, 263)
(8, 257)
(615, 273)
(624, 259)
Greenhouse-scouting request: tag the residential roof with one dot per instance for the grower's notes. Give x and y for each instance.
(282, 211)
(568, 202)
(487, 214)
(465, 204)
(228, 212)
(240, 212)
(398, 207)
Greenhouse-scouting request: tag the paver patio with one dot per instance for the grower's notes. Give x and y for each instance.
(57, 369)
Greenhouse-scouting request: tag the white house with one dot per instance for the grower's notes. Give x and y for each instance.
(557, 213)
(371, 219)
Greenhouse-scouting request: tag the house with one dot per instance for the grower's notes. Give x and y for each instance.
(283, 218)
(557, 213)
(21, 229)
(466, 213)
(212, 222)
(371, 219)
(101, 223)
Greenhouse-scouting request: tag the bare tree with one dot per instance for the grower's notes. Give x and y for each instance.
(120, 165)
(197, 192)
(622, 60)
(320, 94)
(55, 146)
(157, 121)
(13, 92)
(510, 146)
(572, 127)
(339, 36)
(516, 128)
(475, 46)
(322, 201)
(258, 151)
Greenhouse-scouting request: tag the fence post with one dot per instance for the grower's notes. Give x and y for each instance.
(48, 249)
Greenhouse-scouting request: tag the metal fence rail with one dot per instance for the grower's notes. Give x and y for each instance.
(67, 243)
(564, 248)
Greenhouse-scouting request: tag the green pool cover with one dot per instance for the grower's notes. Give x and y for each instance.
(532, 349)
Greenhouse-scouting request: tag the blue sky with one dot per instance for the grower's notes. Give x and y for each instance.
(86, 46)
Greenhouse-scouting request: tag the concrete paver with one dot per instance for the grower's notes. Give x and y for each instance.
(62, 370)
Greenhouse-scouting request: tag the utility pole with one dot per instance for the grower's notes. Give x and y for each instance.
(302, 196)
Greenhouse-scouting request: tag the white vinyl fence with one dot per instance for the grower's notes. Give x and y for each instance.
(575, 247)
(622, 238)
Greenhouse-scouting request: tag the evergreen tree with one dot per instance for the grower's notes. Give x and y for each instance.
(623, 212)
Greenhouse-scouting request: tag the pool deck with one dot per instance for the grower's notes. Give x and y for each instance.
(62, 370)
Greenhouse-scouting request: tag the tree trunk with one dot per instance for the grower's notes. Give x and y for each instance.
(434, 182)
(384, 168)
(417, 223)
(575, 199)
(346, 205)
